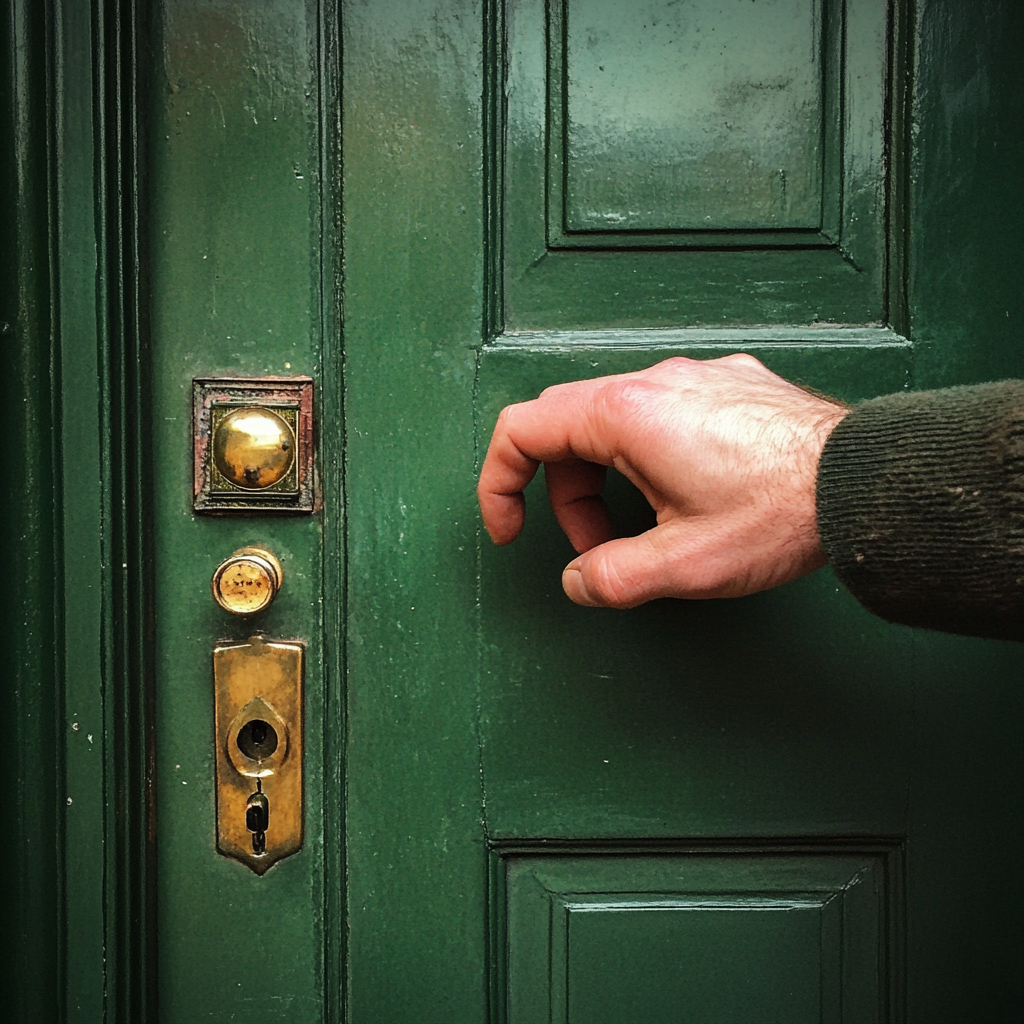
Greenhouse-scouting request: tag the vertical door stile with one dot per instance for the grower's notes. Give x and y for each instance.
(333, 550)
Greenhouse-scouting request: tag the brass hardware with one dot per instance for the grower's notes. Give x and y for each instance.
(253, 448)
(253, 444)
(258, 711)
(247, 582)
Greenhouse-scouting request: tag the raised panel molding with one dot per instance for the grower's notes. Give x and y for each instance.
(708, 164)
(706, 123)
(714, 934)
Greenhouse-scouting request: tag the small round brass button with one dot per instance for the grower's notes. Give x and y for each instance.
(247, 582)
(253, 448)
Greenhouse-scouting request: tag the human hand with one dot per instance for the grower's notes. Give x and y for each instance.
(725, 451)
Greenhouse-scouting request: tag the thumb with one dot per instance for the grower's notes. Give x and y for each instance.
(621, 573)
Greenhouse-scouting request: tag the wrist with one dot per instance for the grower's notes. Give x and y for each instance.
(811, 445)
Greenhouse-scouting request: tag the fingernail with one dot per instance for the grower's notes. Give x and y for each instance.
(572, 584)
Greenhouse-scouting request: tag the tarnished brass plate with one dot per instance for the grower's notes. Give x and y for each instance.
(253, 444)
(260, 682)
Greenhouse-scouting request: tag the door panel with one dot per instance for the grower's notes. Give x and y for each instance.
(787, 718)
(793, 714)
(722, 936)
(782, 716)
(759, 140)
(772, 713)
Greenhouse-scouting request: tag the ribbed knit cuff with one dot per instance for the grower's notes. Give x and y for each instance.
(921, 508)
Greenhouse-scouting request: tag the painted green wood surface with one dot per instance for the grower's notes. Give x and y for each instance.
(417, 911)
(707, 117)
(86, 781)
(234, 186)
(789, 715)
(700, 936)
(745, 268)
(488, 724)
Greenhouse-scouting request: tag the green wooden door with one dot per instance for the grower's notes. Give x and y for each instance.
(777, 808)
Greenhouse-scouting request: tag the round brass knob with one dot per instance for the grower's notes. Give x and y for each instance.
(247, 582)
(253, 448)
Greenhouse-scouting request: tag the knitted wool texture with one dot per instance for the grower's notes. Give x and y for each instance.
(921, 508)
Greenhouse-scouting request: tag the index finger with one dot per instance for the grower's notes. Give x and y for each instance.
(555, 427)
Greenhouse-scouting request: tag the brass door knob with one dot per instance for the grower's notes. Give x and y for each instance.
(253, 448)
(247, 582)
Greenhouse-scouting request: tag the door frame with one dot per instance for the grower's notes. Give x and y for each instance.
(83, 675)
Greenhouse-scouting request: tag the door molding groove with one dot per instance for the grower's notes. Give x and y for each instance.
(128, 476)
(108, 858)
(553, 847)
(333, 551)
(698, 338)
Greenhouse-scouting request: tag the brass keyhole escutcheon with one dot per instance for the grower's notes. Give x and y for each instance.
(247, 582)
(258, 714)
(253, 447)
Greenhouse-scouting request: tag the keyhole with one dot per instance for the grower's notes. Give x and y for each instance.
(257, 739)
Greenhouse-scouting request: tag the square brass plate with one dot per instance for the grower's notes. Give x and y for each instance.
(214, 399)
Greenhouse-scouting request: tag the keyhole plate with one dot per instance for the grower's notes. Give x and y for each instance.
(258, 690)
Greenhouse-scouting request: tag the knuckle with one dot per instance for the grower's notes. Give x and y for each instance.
(629, 394)
(744, 359)
(677, 363)
(671, 369)
(553, 390)
(505, 418)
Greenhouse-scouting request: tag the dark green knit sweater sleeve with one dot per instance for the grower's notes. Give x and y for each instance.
(921, 508)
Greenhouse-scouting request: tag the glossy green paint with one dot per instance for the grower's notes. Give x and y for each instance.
(234, 226)
(631, 134)
(667, 935)
(683, 119)
(965, 278)
(82, 713)
(80, 693)
(416, 898)
(792, 713)
(498, 743)
(787, 715)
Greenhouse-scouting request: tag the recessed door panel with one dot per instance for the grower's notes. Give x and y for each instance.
(764, 141)
(702, 936)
